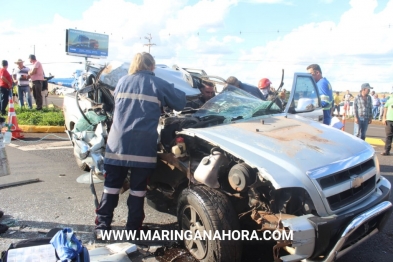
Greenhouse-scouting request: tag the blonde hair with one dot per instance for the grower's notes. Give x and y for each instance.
(141, 61)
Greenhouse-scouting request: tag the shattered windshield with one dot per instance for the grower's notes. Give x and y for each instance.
(234, 103)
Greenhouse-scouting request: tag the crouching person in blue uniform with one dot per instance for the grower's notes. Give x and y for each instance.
(132, 140)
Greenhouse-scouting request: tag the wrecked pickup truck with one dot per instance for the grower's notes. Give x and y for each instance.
(242, 163)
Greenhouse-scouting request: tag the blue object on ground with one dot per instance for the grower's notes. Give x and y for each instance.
(67, 247)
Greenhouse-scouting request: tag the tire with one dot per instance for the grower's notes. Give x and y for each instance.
(83, 166)
(203, 208)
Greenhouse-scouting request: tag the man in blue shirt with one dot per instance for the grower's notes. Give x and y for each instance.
(325, 91)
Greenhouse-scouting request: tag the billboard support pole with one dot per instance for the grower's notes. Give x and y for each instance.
(86, 62)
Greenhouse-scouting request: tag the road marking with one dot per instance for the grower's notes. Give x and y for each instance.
(46, 146)
(375, 141)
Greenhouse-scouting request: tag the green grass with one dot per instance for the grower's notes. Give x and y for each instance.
(44, 117)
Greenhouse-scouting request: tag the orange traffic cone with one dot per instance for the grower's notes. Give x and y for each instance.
(13, 121)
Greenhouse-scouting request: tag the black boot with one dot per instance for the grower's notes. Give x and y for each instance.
(105, 213)
(136, 215)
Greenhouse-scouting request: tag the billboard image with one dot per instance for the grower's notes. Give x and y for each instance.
(88, 44)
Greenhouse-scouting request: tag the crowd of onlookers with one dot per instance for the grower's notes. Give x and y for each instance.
(21, 83)
(378, 102)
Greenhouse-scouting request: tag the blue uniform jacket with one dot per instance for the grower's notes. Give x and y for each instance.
(325, 92)
(132, 140)
(253, 90)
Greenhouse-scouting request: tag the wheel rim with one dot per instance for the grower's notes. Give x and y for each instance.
(192, 221)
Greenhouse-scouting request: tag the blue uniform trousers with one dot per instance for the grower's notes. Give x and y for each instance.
(114, 179)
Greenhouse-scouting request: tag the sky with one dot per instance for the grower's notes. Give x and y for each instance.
(352, 40)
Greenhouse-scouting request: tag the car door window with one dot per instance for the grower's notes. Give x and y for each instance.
(305, 95)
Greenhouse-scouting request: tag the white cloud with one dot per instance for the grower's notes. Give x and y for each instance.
(351, 51)
(264, 1)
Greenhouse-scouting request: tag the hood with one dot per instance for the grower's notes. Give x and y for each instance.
(286, 148)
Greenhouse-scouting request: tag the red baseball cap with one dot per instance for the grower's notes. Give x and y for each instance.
(264, 83)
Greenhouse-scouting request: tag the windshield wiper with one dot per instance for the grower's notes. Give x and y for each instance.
(263, 111)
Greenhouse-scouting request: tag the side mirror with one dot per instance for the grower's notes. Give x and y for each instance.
(305, 105)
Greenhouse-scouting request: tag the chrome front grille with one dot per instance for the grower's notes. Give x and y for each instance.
(345, 175)
(349, 185)
(351, 195)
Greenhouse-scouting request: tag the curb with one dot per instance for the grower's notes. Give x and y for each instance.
(42, 129)
(375, 122)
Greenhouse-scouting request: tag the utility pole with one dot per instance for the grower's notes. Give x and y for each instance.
(149, 44)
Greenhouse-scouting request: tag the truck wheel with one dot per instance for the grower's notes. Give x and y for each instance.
(204, 209)
(83, 166)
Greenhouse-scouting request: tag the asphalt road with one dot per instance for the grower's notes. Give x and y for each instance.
(54, 99)
(59, 201)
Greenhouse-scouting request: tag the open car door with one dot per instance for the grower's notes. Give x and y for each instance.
(304, 98)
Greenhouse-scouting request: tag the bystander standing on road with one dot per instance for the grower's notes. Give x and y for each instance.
(37, 76)
(383, 101)
(388, 121)
(347, 103)
(325, 91)
(376, 105)
(44, 93)
(6, 86)
(132, 141)
(21, 77)
(337, 101)
(362, 109)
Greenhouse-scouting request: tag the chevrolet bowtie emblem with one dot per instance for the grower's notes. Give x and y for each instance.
(356, 181)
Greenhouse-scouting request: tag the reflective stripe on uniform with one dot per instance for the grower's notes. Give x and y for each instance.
(112, 191)
(139, 97)
(137, 193)
(326, 98)
(143, 159)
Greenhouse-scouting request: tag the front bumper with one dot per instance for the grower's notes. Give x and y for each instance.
(328, 238)
(361, 228)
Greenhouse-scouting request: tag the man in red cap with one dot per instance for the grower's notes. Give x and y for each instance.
(264, 87)
(266, 93)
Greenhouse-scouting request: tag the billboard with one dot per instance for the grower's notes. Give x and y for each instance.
(87, 44)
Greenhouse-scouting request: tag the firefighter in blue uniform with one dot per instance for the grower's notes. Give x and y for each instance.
(132, 140)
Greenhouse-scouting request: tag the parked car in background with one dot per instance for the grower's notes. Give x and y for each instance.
(61, 91)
